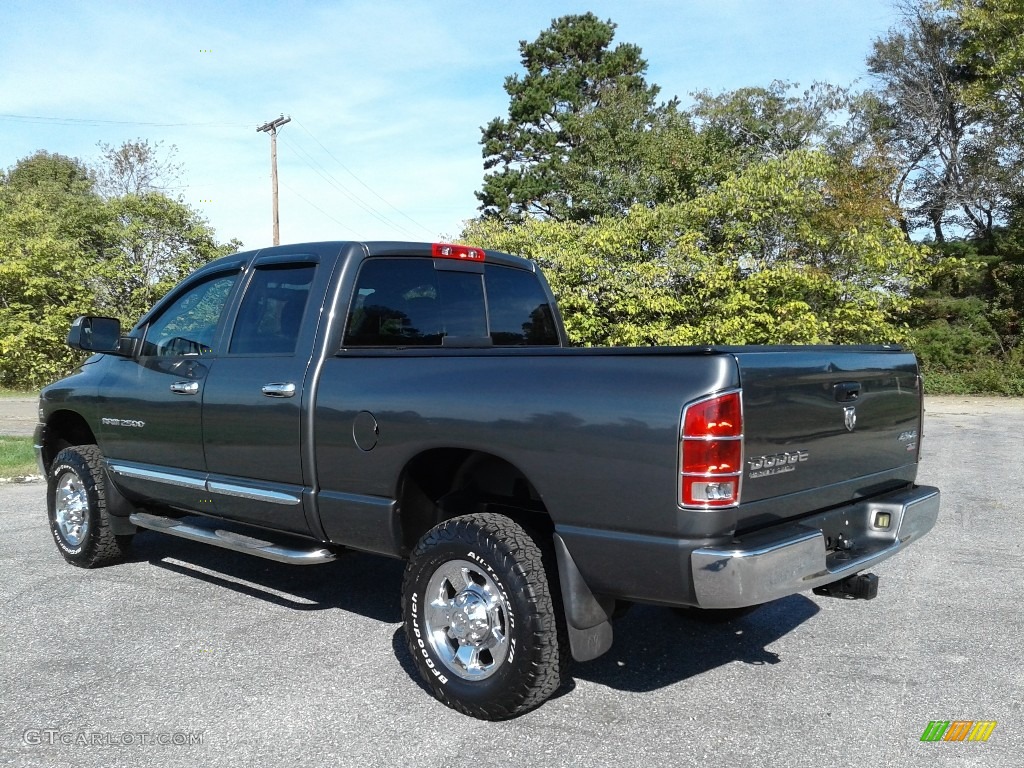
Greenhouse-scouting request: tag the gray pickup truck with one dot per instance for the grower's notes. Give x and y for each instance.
(419, 401)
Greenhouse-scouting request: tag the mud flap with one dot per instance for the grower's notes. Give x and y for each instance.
(587, 617)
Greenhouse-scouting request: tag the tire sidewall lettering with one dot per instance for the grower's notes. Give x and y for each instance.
(414, 610)
(506, 600)
(502, 556)
(434, 667)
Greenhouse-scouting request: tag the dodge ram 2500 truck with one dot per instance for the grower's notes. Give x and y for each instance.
(419, 401)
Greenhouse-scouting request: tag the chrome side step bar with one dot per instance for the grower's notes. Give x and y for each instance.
(234, 541)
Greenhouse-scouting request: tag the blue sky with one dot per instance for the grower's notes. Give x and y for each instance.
(387, 98)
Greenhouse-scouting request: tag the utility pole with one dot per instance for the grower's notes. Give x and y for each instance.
(271, 128)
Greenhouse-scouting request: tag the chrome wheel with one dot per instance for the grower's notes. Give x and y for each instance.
(77, 495)
(466, 620)
(480, 623)
(71, 509)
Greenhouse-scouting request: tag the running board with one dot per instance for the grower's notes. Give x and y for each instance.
(234, 541)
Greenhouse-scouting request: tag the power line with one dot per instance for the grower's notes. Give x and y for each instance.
(309, 202)
(91, 121)
(363, 183)
(334, 182)
(305, 156)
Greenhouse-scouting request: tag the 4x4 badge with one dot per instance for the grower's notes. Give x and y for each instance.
(850, 414)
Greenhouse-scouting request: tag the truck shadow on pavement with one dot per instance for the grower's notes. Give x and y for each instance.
(363, 584)
(654, 647)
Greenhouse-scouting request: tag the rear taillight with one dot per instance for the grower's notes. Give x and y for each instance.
(711, 452)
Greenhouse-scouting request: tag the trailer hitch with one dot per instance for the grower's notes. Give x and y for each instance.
(861, 586)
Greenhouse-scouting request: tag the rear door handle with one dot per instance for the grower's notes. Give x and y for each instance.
(846, 391)
(279, 390)
(185, 387)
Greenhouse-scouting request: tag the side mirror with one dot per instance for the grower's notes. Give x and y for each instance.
(95, 334)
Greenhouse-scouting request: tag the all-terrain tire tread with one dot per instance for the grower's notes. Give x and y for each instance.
(105, 547)
(510, 549)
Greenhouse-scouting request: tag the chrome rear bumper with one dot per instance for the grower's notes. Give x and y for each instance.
(792, 558)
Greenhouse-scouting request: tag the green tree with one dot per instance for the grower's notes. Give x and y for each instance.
(614, 278)
(51, 225)
(799, 249)
(952, 170)
(631, 155)
(152, 242)
(51, 172)
(66, 251)
(571, 72)
(136, 168)
(945, 113)
(766, 123)
(993, 48)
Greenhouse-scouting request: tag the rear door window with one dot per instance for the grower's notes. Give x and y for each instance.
(271, 313)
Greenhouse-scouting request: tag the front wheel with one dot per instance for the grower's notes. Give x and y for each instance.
(77, 506)
(480, 620)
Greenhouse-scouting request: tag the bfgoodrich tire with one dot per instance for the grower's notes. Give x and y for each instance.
(76, 500)
(481, 623)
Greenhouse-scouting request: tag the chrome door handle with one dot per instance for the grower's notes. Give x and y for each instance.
(185, 387)
(279, 390)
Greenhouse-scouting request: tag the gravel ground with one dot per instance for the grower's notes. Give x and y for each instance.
(18, 415)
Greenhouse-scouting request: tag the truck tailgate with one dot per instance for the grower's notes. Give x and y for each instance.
(838, 423)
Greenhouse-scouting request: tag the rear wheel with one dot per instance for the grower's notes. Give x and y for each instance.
(480, 620)
(77, 506)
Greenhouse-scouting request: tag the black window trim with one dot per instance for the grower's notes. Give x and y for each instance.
(283, 259)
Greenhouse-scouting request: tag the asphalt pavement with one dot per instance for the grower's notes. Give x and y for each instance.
(192, 656)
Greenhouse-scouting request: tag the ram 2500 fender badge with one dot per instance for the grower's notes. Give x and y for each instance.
(850, 417)
(775, 464)
(135, 423)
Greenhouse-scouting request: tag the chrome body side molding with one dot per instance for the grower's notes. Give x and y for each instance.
(203, 483)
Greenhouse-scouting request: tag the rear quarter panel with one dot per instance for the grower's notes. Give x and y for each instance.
(596, 432)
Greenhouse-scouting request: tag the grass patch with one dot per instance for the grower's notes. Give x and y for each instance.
(985, 379)
(17, 457)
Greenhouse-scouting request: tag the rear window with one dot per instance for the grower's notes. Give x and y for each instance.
(519, 311)
(407, 302)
